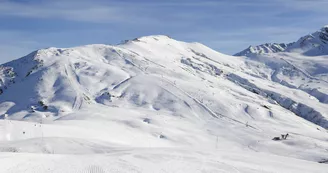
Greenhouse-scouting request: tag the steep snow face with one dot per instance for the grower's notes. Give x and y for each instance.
(313, 44)
(263, 48)
(105, 102)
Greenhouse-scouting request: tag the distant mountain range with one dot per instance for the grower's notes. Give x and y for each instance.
(264, 48)
(312, 45)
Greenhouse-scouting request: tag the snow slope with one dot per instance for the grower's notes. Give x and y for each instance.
(154, 104)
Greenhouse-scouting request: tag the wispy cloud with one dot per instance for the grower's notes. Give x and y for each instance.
(96, 11)
(311, 5)
(64, 10)
(14, 44)
(102, 11)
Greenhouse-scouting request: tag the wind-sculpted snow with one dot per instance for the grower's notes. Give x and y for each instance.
(301, 65)
(154, 104)
(299, 109)
(204, 67)
(295, 71)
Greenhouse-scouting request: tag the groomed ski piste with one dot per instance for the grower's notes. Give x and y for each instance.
(154, 104)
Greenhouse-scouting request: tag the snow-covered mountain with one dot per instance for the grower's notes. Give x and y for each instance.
(263, 48)
(314, 44)
(154, 104)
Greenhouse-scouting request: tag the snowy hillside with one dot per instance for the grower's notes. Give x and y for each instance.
(154, 104)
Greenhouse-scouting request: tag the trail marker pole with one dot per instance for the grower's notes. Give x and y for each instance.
(216, 143)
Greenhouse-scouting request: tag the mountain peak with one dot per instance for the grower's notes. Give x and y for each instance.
(312, 45)
(155, 37)
(263, 48)
(148, 38)
(324, 33)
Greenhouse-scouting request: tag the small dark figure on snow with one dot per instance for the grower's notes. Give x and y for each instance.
(283, 137)
(276, 139)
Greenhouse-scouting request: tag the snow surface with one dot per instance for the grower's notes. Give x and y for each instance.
(154, 104)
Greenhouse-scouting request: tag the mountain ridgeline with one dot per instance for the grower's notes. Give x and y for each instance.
(314, 44)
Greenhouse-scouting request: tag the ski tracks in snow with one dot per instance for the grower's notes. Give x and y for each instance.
(304, 72)
(212, 113)
(78, 98)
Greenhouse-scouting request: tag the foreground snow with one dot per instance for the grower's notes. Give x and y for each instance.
(157, 160)
(88, 146)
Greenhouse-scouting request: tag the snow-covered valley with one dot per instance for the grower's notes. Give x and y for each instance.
(154, 104)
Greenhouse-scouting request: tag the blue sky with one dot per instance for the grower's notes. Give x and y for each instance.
(227, 26)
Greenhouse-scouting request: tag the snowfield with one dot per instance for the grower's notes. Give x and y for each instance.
(154, 104)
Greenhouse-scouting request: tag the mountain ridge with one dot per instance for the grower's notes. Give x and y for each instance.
(314, 44)
(264, 48)
(158, 93)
